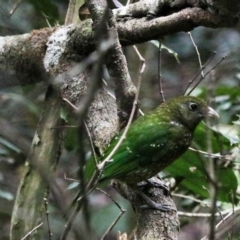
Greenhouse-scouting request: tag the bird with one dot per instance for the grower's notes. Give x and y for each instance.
(155, 140)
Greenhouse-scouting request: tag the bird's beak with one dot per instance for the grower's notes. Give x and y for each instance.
(211, 113)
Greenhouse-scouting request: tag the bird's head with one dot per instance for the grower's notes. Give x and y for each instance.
(190, 111)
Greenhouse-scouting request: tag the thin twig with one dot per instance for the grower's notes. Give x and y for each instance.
(70, 179)
(191, 198)
(16, 5)
(160, 70)
(213, 184)
(47, 216)
(225, 218)
(141, 58)
(87, 130)
(207, 215)
(64, 126)
(122, 211)
(198, 54)
(224, 57)
(213, 155)
(230, 213)
(199, 72)
(114, 201)
(112, 225)
(79, 200)
(30, 233)
(142, 67)
(72, 105)
(204, 168)
(91, 143)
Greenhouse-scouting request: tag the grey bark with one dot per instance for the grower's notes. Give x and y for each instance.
(26, 67)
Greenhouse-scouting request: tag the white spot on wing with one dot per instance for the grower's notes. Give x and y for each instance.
(129, 150)
(175, 123)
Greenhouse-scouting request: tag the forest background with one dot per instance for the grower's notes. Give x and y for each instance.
(22, 104)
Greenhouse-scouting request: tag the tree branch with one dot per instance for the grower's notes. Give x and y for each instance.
(38, 172)
(151, 223)
(26, 67)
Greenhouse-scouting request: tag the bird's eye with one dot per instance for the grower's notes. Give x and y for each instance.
(193, 106)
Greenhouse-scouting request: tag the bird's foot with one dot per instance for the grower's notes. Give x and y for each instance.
(155, 184)
(153, 205)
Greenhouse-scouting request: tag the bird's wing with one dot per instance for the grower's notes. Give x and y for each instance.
(140, 147)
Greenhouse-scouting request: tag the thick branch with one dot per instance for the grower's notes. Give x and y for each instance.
(155, 8)
(38, 173)
(151, 223)
(116, 62)
(21, 57)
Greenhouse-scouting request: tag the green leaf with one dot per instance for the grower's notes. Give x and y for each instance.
(231, 132)
(48, 9)
(64, 114)
(170, 51)
(192, 168)
(6, 195)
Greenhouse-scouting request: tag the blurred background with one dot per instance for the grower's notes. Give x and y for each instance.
(21, 107)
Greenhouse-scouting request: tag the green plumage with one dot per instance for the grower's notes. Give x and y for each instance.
(155, 140)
